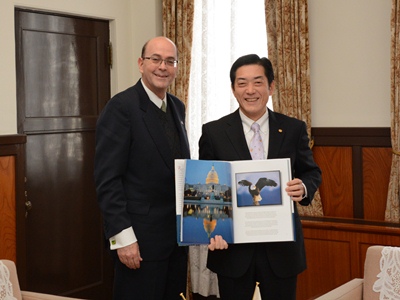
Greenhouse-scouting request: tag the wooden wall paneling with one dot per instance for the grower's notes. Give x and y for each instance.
(370, 169)
(8, 231)
(358, 190)
(328, 264)
(355, 165)
(376, 173)
(12, 155)
(337, 180)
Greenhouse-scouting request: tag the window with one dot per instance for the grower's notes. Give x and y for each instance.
(222, 31)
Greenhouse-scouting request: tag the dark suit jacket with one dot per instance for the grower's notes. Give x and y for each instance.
(224, 140)
(134, 170)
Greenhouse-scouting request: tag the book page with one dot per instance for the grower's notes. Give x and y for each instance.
(207, 203)
(262, 210)
(180, 170)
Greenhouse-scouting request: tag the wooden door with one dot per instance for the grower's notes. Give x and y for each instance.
(63, 82)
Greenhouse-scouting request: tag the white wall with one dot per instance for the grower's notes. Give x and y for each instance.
(350, 62)
(132, 23)
(349, 52)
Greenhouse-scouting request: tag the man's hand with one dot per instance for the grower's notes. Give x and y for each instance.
(130, 256)
(295, 189)
(217, 243)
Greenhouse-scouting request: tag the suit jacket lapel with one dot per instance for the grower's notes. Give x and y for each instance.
(155, 129)
(236, 136)
(276, 134)
(180, 124)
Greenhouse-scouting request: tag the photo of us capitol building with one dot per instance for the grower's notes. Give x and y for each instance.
(207, 208)
(210, 191)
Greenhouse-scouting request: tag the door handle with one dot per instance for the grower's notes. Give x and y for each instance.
(28, 204)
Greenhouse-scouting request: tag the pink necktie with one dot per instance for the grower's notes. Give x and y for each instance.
(256, 145)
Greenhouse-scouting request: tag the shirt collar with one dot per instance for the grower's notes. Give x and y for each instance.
(153, 97)
(247, 122)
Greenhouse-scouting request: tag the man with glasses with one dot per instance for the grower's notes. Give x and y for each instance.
(139, 134)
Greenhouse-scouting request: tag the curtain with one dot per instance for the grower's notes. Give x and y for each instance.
(219, 31)
(178, 26)
(392, 213)
(288, 49)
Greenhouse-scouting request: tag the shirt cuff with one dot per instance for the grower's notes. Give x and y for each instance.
(305, 191)
(122, 239)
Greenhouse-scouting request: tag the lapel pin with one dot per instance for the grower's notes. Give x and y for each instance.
(280, 130)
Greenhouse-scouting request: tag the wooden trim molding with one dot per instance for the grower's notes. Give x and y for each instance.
(352, 136)
(14, 139)
(346, 223)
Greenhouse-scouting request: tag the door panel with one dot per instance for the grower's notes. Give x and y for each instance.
(75, 63)
(62, 84)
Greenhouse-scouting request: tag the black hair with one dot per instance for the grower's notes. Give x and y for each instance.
(252, 59)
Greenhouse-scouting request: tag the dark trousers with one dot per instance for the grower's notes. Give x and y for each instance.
(271, 287)
(154, 280)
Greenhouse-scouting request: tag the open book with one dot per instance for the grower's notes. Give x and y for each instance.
(243, 201)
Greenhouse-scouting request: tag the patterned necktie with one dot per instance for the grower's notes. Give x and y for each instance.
(163, 106)
(256, 145)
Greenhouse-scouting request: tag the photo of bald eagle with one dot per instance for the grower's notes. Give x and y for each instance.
(255, 189)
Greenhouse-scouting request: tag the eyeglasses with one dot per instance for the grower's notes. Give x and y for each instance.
(158, 61)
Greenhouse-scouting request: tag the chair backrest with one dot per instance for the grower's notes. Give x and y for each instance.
(382, 273)
(10, 265)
